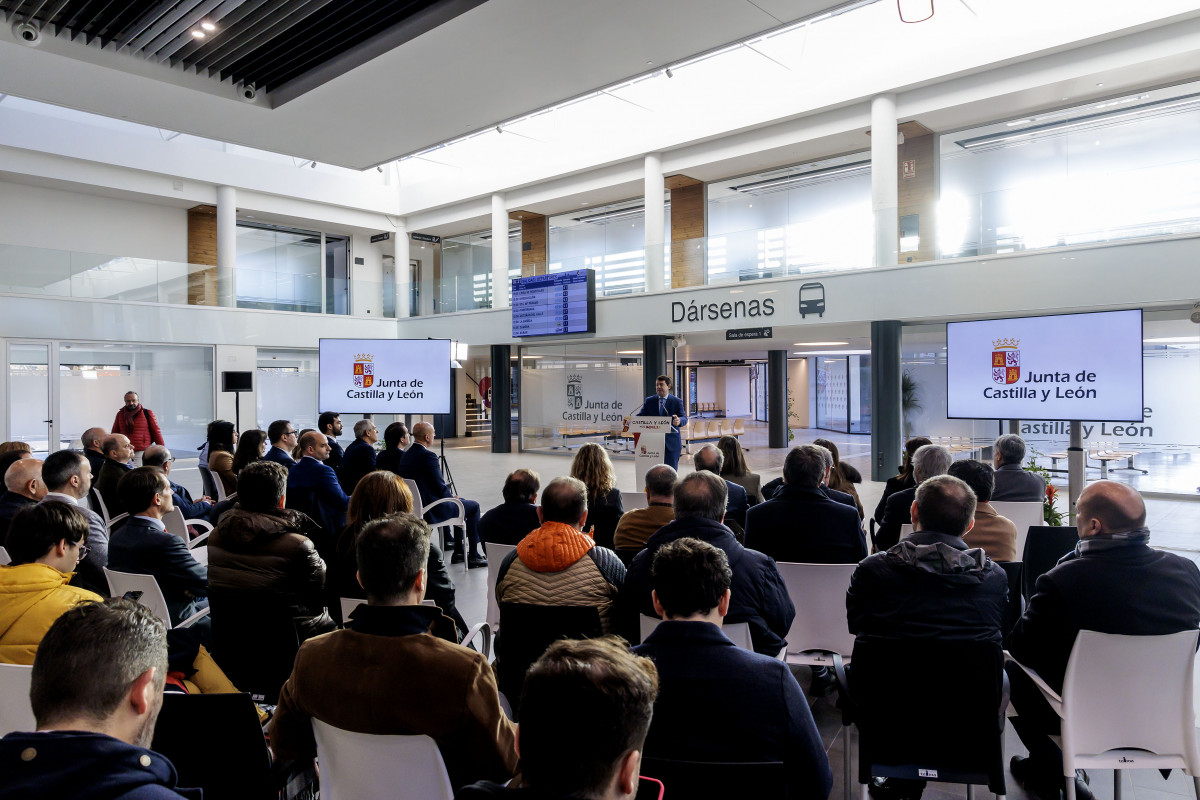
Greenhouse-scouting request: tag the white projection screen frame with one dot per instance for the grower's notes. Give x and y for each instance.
(385, 376)
(1085, 367)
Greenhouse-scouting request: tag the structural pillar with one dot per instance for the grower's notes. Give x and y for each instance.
(655, 222)
(887, 413)
(885, 199)
(403, 272)
(654, 362)
(226, 246)
(777, 397)
(500, 286)
(501, 398)
(1076, 468)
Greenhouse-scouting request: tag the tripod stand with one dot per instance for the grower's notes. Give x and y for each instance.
(442, 462)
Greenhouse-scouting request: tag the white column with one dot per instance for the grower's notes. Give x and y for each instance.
(500, 287)
(655, 222)
(226, 246)
(401, 269)
(885, 184)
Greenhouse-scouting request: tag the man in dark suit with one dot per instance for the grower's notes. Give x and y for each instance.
(420, 464)
(330, 424)
(1113, 582)
(697, 664)
(359, 458)
(800, 523)
(204, 508)
(118, 453)
(928, 461)
(1013, 483)
(509, 522)
(142, 545)
(92, 440)
(24, 487)
(664, 404)
(313, 488)
(760, 597)
(282, 435)
(710, 459)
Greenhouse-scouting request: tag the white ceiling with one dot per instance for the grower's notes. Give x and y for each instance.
(493, 63)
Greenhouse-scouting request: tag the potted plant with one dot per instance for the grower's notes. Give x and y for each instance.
(1050, 513)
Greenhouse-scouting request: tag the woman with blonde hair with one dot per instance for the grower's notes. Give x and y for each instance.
(380, 494)
(734, 469)
(593, 466)
(843, 476)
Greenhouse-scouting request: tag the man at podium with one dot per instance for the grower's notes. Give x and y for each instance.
(664, 404)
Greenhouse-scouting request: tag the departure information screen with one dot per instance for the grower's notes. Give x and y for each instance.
(546, 305)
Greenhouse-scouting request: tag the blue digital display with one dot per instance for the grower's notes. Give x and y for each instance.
(548, 305)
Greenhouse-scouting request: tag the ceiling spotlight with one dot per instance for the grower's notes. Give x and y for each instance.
(669, 73)
(313, 165)
(199, 34)
(498, 129)
(379, 169)
(208, 26)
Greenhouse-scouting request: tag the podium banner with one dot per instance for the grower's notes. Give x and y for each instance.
(649, 444)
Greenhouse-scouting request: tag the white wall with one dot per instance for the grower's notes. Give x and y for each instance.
(797, 372)
(737, 391)
(366, 293)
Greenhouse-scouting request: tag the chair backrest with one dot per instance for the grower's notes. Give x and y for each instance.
(714, 429)
(527, 630)
(1016, 603)
(739, 426)
(699, 780)
(1131, 692)
(198, 731)
(5, 558)
(97, 504)
(418, 508)
(348, 604)
(726, 427)
(496, 553)
(1024, 516)
(906, 530)
(142, 589)
(213, 487)
(254, 639)
(738, 632)
(15, 711)
(632, 500)
(175, 524)
(1044, 547)
(820, 590)
(363, 766)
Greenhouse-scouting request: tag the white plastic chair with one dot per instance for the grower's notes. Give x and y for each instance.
(176, 524)
(458, 521)
(906, 530)
(348, 604)
(496, 553)
(632, 500)
(1023, 515)
(15, 711)
(212, 481)
(5, 558)
(738, 632)
(364, 766)
(145, 591)
(1127, 704)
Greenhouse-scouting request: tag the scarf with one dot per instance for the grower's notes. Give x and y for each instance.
(1111, 541)
(130, 416)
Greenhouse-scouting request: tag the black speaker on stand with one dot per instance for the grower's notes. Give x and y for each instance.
(237, 382)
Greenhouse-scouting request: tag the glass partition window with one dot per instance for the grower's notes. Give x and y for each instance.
(465, 280)
(278, 269)
(288, 386)
(609, 239)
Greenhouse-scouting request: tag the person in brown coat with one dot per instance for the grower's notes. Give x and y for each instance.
(393, 671)
(258, 544)
(992, 533)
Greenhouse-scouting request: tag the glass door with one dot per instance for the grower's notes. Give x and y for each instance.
(29, 396)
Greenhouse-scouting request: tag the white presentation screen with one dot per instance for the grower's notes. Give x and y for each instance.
(1063, 367)
(385, 376)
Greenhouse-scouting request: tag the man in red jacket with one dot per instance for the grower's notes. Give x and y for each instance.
(139, 425)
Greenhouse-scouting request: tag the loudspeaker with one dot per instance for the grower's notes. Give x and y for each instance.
(237, 381)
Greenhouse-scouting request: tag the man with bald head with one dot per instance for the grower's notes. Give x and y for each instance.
(1113, 582)
(23, 487)
(420, 464)
(118, 457)
(92, 440)
(313, 488)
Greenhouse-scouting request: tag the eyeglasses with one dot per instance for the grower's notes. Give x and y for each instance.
(171, 460)
(289, 433)
(81, 552)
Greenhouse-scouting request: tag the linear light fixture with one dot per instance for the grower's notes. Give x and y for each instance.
(513, 233)
(620, 213)
(853, 169)
(1007, 138)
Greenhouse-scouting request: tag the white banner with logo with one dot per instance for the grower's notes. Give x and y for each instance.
(649, 444)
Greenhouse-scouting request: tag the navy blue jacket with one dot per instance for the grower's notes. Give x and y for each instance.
(280, 456)
(84, 766)
(313, 489)
(708, 684)
(805, 526)
(389, 460)
(336, 454)
(358, 460)
(760, 597)
(420, 464)
(896, 512)
(192, 509)
(10, 504)
(139, 546)
(672, 406)
(737, 504)
(508, 523)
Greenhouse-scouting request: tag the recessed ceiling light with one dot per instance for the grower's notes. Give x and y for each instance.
(1170, 339)
(1099, 84)
(629, 352)
(208, 26)
(199, 34)
(817, 344)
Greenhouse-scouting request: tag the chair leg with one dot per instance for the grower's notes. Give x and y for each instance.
(1196, 786)
(970, 791)
(865, 794)
(1069, 783)
(847, 772)
(1116, 784)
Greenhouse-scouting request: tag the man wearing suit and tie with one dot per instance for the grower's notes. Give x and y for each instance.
(282, 435)
(420, 465)
(313, 489)
(664, 404)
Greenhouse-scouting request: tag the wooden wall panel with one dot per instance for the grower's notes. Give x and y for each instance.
(535, 233)
(202, 249)
(918, 193)
(689, 226)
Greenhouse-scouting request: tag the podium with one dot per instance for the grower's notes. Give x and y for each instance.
(649, 444)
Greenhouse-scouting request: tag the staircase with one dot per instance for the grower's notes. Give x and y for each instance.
(478, 423)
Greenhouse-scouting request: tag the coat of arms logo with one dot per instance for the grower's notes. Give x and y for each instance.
(364, 371)
(1006, 361)
(575, 391)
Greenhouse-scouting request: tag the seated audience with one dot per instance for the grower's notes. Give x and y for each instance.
(1015, 484)
(709, 459)
(830, 463)
(142, 545)
(68, 478)
(97, 689)
(359, 458)
(118, 455)
(639, 524)
(842, 476)
(261, 546)
(92, 441)
(1113, 582)
(929, 461)
(222, 439)
(389, 672)
(558, 564)
(313, 486)
(329, 423)
(395, 441)
(994, 534)
(760, 597)
(734, 469)
(282, 436)
(251, 447)
(593, 466)
(298, 451)
(905, 480)
(15, 452)
(204, 508)
(512, 520)
(800, 523)
(383, 494)
(595, 749)
(420, 464)
(765, 719)
(24, 487)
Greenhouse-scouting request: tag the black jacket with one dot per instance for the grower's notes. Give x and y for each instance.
(509, 523)
(760, 597)
(95, 460)
(420, 464)
(1131, 589)
(336, 454)
(930, 586)
(807, 527)
(10, 504)
(893, 485)
(105, 483)
(358, 460)
(765, 718)
(897, 512)
(389, 460)
(139, 546)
